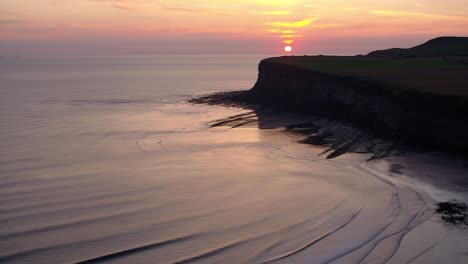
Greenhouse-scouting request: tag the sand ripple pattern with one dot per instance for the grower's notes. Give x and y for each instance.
(192, 194)
(103, 163)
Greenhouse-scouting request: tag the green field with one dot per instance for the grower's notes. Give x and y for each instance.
(362, 64)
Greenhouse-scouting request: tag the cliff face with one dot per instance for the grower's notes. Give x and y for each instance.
(440, 119)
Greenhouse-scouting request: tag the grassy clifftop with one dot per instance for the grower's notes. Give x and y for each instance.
(433, 74)
(362, 64)
(442, 46)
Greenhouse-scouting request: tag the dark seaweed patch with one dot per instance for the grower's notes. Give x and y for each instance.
(453, 213)
(321, 139)
(396, 168)
(304, 128)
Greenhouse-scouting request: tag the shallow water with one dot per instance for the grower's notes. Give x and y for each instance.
(103, 161)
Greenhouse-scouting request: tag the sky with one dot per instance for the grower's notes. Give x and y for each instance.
(140, 27)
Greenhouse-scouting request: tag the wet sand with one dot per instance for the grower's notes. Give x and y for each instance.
(198, 190)
(437, 179)
(92, 171)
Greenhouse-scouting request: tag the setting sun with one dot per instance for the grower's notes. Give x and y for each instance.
(288, 48)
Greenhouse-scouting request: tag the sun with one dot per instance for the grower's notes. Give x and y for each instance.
(288, 48)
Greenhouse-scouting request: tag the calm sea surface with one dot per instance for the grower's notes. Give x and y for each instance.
(102, 160)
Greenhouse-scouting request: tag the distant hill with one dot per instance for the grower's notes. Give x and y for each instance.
(442, 46)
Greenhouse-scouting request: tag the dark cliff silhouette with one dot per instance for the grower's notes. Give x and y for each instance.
(442, 46)
(423, 98)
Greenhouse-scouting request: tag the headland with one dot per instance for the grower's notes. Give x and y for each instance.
(419, 93)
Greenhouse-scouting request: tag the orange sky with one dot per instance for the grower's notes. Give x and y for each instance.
(310, 26)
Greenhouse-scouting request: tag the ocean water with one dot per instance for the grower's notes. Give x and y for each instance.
(102, 160)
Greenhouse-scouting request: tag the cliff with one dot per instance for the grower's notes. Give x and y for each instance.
(401, 108)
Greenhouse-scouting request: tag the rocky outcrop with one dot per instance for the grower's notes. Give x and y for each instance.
(435, 118)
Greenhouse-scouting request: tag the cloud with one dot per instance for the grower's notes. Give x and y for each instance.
(399, 13)
(296, 24)
(291, 36)
(9, 21)
(282, 31)
(151, 6)
(269, 2)
(328, 25)
(129, 5)
(183, 9)
(122, 7)
(271, 13)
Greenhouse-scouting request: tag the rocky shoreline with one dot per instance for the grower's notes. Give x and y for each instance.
(434, 119)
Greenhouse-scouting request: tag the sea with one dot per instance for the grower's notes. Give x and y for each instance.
(103, 160)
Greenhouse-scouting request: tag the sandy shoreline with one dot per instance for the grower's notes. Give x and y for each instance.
(420, 179)
(446, 170)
